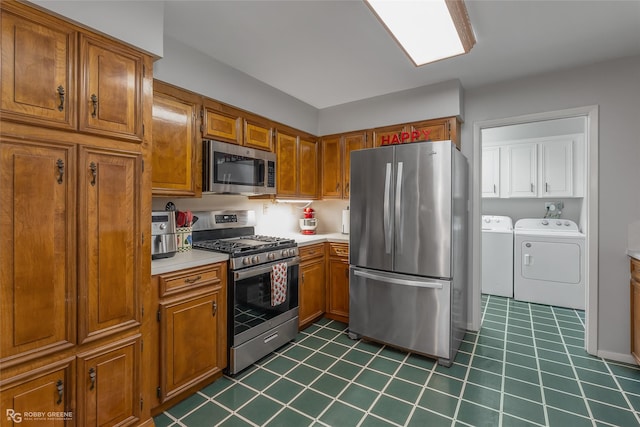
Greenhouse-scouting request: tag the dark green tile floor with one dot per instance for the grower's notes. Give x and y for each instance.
(525, 367)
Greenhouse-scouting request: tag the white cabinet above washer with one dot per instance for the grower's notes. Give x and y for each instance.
(534, 168)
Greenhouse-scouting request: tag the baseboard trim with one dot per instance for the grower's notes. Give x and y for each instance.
(618, 357)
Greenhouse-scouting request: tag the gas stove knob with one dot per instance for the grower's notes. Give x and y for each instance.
(292, 252)
(271, 256)
(246, 260)
(255, 259)
(284, 252)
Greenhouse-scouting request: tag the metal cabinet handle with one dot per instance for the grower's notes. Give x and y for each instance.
(192, 280)
(61, 95)
(94, 102)
(494, 189)
(302, 278)
(546, 187)
(60, 165)
(337, 186)
(60, 387)
(214, 308)
(92, 378)
(346, 273)
(94, 173)
(346, 188)
(532, 187)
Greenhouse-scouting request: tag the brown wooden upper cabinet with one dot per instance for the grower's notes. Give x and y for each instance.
(336, 157)
(222, 124)
(38, 81)
(296, 166)
(427, 130)
(176, 153)
(257, 135)
(38, 77)
(110, 89)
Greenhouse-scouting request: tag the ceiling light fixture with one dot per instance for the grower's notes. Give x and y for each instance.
(427, 30)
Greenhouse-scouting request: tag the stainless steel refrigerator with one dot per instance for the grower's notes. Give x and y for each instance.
(408, 247)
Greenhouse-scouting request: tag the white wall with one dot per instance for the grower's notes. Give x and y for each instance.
(615, 87)
(531, 208)
(185, 67)
(138, 23)
(426, 102)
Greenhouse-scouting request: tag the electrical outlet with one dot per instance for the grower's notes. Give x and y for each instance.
(265, 208)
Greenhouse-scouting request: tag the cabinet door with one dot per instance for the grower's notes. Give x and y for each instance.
(257, 136)
(176, 160)
(109, 242)
(222, 127)
(522, 172)
(287, 165)
(308, 169)
(332, 167)
(350, 142)
(491, 172)
(191, 345)
(111, 89)
(389, 135)
(556, 168)
(37, 253)
(432, 130)
(109, 385)
(338, 295)
(312, 290)
(48, 391)
(37, 72)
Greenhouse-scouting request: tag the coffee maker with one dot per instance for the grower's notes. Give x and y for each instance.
(309, 222)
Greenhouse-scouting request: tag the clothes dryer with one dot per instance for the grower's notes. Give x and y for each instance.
(497, 255)
(549, 262)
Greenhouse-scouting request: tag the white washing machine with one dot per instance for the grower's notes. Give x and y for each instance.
(497, 255)
(549, 263)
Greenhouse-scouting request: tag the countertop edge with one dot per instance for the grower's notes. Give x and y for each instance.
(197, 258)
(634, 253)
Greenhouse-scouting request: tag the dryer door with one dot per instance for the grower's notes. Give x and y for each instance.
(553, 262)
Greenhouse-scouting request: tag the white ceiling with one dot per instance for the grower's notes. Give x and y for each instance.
(329, 52)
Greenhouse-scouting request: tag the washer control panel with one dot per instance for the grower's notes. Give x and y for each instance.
(549, 224)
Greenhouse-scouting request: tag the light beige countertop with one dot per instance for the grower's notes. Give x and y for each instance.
(310, 239)
(634, 253)
(189, 259)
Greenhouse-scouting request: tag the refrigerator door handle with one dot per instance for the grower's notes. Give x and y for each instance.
(397, 281)
(400, 224)
(387, 214)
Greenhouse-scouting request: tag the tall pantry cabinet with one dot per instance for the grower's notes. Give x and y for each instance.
(74, 222)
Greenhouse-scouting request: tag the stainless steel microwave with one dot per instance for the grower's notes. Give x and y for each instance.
(233, 169)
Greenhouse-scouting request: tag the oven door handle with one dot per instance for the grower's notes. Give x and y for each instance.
(265, 268)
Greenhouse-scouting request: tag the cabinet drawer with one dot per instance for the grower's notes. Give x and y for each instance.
(311, 251)
(339, 249)
(182, 280)
(635, 269)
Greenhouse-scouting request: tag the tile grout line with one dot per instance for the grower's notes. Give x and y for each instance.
(504, 366)
(578, 380)
(466, 377)
(541, 384)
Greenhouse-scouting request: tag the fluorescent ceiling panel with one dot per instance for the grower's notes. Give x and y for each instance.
(427, 30)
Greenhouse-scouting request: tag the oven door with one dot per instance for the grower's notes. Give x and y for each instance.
(254, 309)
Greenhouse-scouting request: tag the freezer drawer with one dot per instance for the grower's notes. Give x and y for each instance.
(410, 312)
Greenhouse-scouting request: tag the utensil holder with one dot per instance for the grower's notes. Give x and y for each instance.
(184, 238)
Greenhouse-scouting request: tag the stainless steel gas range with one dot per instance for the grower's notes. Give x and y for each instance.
(262, 285)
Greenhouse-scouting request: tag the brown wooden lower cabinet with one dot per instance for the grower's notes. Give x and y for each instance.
(44, 390)
(312, 289)
(191, 332)
(635, 308)
(338, 282)
(108, 384)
